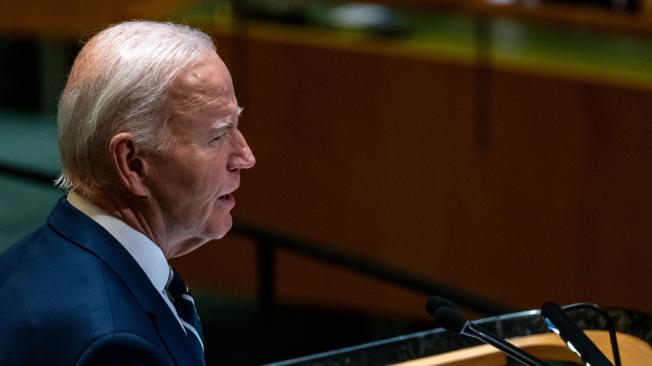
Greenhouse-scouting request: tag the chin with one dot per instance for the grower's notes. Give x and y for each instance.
(216, 231)
(222, 229)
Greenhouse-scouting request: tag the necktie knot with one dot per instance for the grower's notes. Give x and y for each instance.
(175, 287)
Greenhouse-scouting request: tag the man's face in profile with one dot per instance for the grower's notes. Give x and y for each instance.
(193, 180)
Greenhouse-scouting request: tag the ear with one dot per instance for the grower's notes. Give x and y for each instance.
(128, 163)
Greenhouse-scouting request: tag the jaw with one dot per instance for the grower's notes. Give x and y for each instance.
(213, 226)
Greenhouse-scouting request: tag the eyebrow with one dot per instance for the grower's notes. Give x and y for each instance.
(227, 122)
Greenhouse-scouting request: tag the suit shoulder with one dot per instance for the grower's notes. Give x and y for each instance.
(58, 298)
(122, 349)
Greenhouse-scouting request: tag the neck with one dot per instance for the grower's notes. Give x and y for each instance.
(137, 212)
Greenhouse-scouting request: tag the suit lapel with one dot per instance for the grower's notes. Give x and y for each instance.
(89, 235)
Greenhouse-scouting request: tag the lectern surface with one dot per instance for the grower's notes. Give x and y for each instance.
(545, 346)
(421, 345)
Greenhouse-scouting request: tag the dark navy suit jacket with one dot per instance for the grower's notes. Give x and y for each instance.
(70, 294)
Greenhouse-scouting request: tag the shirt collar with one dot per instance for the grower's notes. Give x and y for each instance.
(147, 254)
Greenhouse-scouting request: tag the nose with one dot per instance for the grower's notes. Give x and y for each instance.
(242, 156)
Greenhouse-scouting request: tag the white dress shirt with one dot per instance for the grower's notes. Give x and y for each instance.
(145, 252)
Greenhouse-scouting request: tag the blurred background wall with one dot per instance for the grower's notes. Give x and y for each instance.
(499, 147)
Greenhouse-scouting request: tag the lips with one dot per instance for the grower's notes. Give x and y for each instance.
(227, 197)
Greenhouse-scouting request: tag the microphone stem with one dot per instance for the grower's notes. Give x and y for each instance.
(517, 354)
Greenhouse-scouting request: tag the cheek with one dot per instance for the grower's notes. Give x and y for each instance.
(195, 179)
(206, 185)
(211, 174)
(190, 179)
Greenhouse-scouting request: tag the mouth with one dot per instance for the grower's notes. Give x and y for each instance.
(226, 197)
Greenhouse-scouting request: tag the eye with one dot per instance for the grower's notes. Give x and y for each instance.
(220, 136)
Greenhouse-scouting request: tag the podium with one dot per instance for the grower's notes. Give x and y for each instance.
(526, 330)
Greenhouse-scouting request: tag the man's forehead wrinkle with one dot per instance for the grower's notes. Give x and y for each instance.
(200, 87)
(186, 96)
(190, 102)
(202, 91)
(203, 75)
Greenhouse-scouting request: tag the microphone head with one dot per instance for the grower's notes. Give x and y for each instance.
(450, 319)
(555, 316)
(436, 302)
(573, 335)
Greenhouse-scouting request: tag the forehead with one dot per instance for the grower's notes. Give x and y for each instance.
(203, 85)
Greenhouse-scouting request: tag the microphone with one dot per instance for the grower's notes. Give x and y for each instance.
(574, 337)
(447, 316)
(436, 302)
(610, 324)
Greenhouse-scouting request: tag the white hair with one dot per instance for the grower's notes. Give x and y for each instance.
(119, 83)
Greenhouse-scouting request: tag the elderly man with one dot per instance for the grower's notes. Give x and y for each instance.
(151, 155)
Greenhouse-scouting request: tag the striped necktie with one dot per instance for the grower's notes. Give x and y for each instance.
(180, 296)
